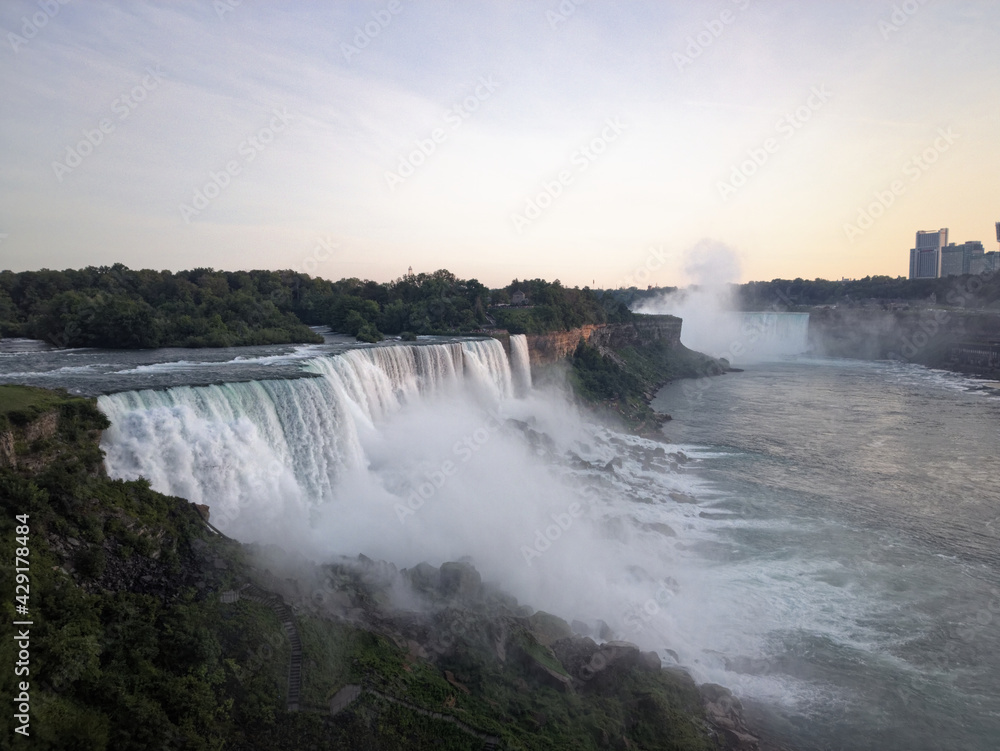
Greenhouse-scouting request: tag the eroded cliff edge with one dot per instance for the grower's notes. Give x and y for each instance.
(616, 368)
(643, 330)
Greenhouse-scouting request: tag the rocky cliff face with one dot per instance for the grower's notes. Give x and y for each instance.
(928, 337)
(38, 429)
(554, 346)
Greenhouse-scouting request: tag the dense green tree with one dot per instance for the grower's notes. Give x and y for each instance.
(114, 306)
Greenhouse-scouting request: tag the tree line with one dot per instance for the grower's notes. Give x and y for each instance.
(971, 290)
(117, 307)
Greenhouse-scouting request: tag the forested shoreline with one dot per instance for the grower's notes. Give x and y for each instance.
(117, 307)
(121, 308)
(978, 291)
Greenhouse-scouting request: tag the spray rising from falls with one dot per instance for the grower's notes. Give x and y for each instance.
(711, 325)
(414, 453)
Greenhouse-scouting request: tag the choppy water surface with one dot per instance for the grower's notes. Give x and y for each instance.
(864, 545)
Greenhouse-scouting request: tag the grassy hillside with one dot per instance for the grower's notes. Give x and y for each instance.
(623, 381)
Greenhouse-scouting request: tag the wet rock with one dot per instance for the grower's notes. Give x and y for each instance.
(423, 577)
(682, 497)
(500, 600)
(541, 672)
(725, 712)
(553, 678)
(548, 628)
(604, 631)
(664, 529)
(615, 463)
(650, 661)
(574, 653)
(459, 579)
(588, 661)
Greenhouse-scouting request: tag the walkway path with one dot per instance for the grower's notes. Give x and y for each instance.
(255, 594)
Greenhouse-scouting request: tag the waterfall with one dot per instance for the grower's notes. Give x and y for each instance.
(520, 363)
(775, 333)
(487, 366)
(746, 337)
(710, 325)
(258, 448)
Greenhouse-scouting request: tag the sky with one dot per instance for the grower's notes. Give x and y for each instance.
(599, 143)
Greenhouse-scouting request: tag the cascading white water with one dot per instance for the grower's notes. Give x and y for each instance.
(520, 363)
(381, 379)
(775, 333)
(711, 325)
(487, 366)
(252, 451)
(746, 337)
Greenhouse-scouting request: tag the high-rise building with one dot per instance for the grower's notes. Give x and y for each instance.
(961, 259)
(925, 258)
(986, 263)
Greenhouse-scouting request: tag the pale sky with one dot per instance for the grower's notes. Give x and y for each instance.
(594, 142)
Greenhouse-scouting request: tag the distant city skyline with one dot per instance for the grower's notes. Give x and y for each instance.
(592, 142)
(933, 256)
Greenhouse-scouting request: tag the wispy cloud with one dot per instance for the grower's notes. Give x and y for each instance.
(223, 75)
